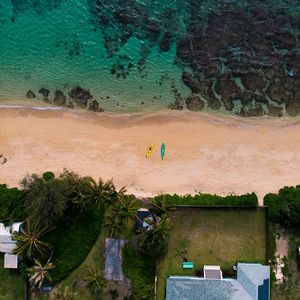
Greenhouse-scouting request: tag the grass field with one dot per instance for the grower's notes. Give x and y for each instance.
(74, 280)
(12, 285)
(213, 237)
(94, 258)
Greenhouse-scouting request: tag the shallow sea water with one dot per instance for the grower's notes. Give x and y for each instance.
(115, 50)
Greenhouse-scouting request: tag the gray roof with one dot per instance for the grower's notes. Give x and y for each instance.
(113, 259)
(254, 277)
(257, 273)
(250, 278)
(195, 288)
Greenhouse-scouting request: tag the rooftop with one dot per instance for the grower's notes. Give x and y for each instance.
(10, 261)
(7, 245)
(252, 283)
(195, 288)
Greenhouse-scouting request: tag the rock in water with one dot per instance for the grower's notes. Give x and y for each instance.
(45, 92)
(30, 94)
(94, 106)
(59, 98)
(80, 95)
(194, 103)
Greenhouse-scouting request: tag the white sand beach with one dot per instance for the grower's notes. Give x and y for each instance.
(204, 152)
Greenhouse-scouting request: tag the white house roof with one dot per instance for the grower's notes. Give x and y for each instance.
(10, 261)
(7, 245)
(4, 231)
(15, 227)
(212, 272)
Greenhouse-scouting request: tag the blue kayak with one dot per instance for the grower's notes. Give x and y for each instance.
(162, 150)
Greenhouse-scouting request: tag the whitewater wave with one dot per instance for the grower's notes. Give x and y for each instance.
(33, 107)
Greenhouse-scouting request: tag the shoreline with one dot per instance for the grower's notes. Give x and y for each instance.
(205, 153)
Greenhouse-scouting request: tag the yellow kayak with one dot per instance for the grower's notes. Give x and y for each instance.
(149, 150)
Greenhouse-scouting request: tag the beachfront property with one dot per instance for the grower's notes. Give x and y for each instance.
(252, 283)
(7, 245)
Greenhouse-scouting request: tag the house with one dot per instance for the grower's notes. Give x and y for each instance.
(7, 245)
(141, 220)
(252, 283)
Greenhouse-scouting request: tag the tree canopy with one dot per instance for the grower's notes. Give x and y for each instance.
(284, 207)
(29, 244)
(47, 200)
(12, 206)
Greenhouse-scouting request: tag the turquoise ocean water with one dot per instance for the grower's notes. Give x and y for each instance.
(148, 55)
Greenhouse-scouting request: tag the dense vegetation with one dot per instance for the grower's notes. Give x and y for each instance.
(11, 204)
(284, 207)
(72, 239)
(63, 220)
(249, 200)
(140, 269)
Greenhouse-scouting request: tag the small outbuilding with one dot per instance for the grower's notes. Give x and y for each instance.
(10, 261)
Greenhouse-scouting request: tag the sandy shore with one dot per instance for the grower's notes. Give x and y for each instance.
(204, 153)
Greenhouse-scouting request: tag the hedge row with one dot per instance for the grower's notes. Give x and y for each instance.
(284, 207)
(247, 200)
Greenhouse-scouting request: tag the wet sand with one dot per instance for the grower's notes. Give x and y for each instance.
(204, 152)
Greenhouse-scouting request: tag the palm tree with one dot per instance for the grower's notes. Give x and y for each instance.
(38, 273)
(159, 207)
(80, 200)
(154, 241)
(112, 226)
(101, 192)
(65, 295)
(94, 281)
(125, 208)
(28, 241)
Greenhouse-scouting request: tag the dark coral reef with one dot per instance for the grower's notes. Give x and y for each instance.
(244, 58)
(241, 56)
(247, 56)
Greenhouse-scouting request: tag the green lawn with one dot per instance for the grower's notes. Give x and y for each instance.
(94, 258)
(213, 237)
(12, 286)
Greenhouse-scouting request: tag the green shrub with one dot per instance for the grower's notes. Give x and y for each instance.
(48, 176)
(11, 204)
(272, 253)
(140, 269)
(47, 200)
(73, 239)
(284, 207)
(247, 200)
(271, 200)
